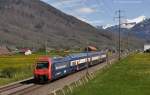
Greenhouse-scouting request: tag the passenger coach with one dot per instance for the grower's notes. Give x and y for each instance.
(47, 68)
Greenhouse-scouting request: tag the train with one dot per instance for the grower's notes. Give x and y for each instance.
(48, 69)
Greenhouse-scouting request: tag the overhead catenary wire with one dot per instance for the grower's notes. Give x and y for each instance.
(84, 3)
(106, 7)
(96, 7)
(119, 17)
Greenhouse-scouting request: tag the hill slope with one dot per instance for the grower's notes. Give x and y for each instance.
(32, 22)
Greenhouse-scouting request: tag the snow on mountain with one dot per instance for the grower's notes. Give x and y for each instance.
(107, 26)
(130, 23)
(138, 19)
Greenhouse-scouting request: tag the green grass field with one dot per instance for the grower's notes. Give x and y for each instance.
(18, 67)
(130, 76)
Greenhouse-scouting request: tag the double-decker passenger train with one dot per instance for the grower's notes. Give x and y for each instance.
(47, 69)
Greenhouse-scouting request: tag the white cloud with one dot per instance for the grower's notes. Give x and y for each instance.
(77, 8)
(66, 3)
(92, 22)
(85, 10)
(83, 19)
(128, 1)
(45, 0)
(95, 22)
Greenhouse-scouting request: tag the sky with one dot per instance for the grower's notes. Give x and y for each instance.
(102, 12)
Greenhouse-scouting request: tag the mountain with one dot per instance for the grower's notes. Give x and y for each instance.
(138, 27)
(32, 23)
(137, 20)
(142, 30)
(104, 26)
(130, 23)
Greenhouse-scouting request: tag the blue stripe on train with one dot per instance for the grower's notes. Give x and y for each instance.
(62, 66)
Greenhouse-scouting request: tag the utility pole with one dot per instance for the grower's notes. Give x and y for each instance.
(119, 17)
(128, 33)
(87, 50)
(46, 47)
(119, 32)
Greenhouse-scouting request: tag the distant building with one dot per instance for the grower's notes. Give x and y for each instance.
(4, 50)
(26, 51)
(91, 48)
(147, 47)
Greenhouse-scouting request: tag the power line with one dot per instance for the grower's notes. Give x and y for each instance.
(45, 47)
(119, 17)
(128, 33)
(99, 4)
(93, 7)
(107, 8)
(77, 15)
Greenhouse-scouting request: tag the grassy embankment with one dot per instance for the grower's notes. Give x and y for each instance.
(18, 67)
(130, 76)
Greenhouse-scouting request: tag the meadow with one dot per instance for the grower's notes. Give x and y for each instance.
(130, 76)
(18, 67)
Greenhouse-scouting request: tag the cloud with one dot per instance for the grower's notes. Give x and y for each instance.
(92, 22)
(66, 3)
(82, 19)
(96, 22)
(85, 10)
(45, 0)
(128, 1)
(77, 8)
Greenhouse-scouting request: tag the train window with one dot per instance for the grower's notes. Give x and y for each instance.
(95, 58)
(42, 65)
(60, 66)
(73, 63)
(83, 60)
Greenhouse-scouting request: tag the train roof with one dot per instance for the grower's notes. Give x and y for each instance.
(85, 54)
(69, 57)
(73, 56)
(77, 55)
(57, 59)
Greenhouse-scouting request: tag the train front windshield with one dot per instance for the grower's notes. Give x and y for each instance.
(42, 65)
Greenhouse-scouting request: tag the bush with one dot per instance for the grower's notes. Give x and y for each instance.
(8, 72)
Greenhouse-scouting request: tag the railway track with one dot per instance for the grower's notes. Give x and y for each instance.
(26, 90)
(19, 86)
(10, 87)
(29, 87)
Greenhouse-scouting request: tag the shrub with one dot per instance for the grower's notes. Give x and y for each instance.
(8, 72)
